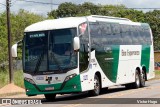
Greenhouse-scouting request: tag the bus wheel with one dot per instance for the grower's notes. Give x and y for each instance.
(136, 84)
(50, 97)
(142, 80)
(97, 87)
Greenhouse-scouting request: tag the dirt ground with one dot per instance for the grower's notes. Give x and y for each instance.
(11, 89)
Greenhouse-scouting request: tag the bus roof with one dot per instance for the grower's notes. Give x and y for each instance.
(71, 22)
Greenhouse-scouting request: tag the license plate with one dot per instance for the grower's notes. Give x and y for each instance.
(49, 88)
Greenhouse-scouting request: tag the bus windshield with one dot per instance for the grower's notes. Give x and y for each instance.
(49, 51)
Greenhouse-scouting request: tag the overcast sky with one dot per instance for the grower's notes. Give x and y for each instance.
(44, 8)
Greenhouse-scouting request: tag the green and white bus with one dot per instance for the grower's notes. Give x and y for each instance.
(78, 54)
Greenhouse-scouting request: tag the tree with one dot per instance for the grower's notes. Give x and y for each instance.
(153, 18)
(20, 21)
(3, 39)
(134, 15)
(87, 9)
(66, 9)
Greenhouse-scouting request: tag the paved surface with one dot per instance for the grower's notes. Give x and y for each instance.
(142, 97)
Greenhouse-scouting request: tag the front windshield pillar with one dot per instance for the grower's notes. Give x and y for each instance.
(84, 48)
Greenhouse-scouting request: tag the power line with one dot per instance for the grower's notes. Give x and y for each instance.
(145, 8)
(51, 3)
(12, 3)
(2, 8)
(2, 4)
(39, 2)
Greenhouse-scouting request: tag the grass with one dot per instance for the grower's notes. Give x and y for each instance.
(18, 78)
(3, 78)
(157, 73)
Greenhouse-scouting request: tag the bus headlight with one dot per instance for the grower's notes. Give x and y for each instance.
(29, 80)
(70, 77)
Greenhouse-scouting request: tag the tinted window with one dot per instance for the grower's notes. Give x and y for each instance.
(105, 33)
(35, 51)
(61, 54)
(145, 34)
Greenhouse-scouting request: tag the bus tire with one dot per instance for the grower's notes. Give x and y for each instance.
(97, 87)
(136, 84)
(50, 97)
(142, 79)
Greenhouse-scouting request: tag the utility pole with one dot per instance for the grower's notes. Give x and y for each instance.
(9, 41)
(51, 5)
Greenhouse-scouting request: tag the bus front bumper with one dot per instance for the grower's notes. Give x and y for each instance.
(71, 86)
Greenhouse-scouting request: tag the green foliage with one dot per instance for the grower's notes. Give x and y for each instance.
(4, 79)
(153, 17)
(134, 15)
(157, 72)
(20, 21)
(64, 10)
(3, 38)
(18, 78)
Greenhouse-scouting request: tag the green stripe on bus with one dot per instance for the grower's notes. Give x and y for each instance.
(115, 50)
(108, 61)
(145, 57)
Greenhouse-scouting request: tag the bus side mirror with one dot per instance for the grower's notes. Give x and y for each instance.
(76, 43)
(14, 50)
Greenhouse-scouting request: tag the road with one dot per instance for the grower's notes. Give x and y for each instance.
(147, 96)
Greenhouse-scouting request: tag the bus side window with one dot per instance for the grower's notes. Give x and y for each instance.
(147, 36)
(141, 37)
(136, 37)
(116, 36)
(107, 33)
(126, 34)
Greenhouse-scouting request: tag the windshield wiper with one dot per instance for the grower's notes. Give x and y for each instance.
(39, 60)
(57, 63)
